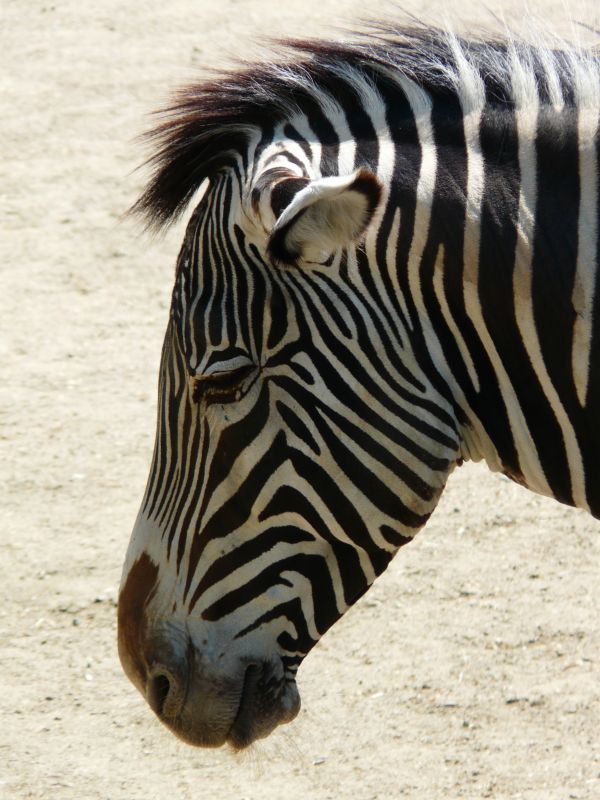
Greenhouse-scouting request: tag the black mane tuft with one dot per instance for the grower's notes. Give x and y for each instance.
(209, 122)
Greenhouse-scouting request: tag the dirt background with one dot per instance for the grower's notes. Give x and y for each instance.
(470, 670)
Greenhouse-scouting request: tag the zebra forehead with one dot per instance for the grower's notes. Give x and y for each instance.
(210, 125)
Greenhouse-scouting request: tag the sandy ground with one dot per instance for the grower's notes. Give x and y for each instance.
(470, 670)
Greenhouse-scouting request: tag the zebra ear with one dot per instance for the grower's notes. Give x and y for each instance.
(323, 215)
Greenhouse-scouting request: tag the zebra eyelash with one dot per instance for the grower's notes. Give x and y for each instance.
(222, 387)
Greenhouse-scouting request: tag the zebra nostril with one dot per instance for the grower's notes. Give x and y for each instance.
(157, 691)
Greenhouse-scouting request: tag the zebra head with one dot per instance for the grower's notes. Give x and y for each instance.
(299, 443)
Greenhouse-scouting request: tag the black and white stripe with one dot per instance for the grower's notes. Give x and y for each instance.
(392, 268)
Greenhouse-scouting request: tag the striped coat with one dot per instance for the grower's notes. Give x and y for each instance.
(391, 269)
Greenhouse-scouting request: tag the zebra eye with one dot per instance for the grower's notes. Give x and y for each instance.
(223, 387)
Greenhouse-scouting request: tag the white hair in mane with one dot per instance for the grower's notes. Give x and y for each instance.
(210, 121)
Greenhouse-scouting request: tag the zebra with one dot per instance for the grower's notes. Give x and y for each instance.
(391, 269)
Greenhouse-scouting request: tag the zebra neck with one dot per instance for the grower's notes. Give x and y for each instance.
(502, 275)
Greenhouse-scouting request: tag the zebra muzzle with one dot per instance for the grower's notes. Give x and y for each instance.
(209, 694)
(207, 706)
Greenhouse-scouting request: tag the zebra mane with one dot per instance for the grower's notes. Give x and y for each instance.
(210, 123)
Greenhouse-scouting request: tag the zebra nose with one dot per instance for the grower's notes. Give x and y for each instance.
(157, 691)
(165, 692)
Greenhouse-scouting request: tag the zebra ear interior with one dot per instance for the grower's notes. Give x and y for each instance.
(323, 215)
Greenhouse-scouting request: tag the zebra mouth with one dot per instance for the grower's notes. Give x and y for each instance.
(265, 703)
(240, 733)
